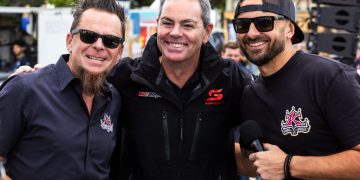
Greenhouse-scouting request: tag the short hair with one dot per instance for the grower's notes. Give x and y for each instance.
(205, 11)
(230, 45)
(20, 43)
(110, 6)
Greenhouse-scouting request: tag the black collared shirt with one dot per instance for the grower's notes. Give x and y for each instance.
(46, 131)
(185, 92)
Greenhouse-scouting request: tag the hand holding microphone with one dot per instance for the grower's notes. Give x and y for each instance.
(268, 159)
(250, 133)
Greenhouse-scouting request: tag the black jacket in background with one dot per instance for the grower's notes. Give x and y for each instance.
(163, 139)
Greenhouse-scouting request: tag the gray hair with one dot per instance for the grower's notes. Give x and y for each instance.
(205, 11)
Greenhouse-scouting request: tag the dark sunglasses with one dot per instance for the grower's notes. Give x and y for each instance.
(262, 23)
(89, 37)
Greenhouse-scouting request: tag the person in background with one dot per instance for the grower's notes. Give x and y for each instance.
(307, 106)
(60, 122)
(18, 48)
(232, 50)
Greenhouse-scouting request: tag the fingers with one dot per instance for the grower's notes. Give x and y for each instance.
(24, 69)
(38, 66)
(268, 146)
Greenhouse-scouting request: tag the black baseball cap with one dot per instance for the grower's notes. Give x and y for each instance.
(281, 7)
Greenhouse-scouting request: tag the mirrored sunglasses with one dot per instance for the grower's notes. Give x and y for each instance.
(90, 37)
(262, 23)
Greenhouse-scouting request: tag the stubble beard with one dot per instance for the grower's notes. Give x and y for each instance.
(272, 50)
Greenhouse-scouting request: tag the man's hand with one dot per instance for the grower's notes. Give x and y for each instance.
(269, 163)
(26, 69)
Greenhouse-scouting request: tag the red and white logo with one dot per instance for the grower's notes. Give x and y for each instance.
(294, 123)
(148, 94)
(106, 123)
(215, 97)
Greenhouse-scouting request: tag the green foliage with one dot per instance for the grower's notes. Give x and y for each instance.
(62, 3)
(4, 2)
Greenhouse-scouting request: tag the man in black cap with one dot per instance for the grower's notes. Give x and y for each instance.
(307, 106)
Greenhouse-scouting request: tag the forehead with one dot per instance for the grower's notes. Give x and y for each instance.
(181, 9)
(96, 20)
(232, 51)
(251, 2)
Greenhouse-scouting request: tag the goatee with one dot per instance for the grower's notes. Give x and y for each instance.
(92, 84)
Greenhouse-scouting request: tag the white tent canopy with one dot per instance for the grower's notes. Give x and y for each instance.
(155, 4)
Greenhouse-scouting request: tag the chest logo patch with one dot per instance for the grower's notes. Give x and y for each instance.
(148, 94)
(294, 123)
(215, 97)
(106, 123)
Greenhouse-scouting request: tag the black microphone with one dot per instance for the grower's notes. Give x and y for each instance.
(250, 133)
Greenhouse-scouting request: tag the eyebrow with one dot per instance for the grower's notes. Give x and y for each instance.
(183, 21)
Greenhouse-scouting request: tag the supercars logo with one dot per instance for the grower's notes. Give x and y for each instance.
(294, 123)
(148, 94)
(215, 97)
(106, 123)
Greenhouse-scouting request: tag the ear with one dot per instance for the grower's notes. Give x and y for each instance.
(69, 39)
(290, 31)
(208, 30)
(120, 50)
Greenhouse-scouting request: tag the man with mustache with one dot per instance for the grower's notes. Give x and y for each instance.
(60, 121)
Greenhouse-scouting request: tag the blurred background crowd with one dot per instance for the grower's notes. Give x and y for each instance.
(29, 28)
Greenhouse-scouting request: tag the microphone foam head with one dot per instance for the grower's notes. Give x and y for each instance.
(249, 132)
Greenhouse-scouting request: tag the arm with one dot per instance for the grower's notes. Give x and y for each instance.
(342, 165)
(3, 175)
(12, 95)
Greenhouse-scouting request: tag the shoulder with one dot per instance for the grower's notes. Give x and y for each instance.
(316, 63)
(319, 67)
(122, 70)
(25, 81)
(126, 64)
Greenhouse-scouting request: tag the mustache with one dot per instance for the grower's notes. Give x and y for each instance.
(256, 39)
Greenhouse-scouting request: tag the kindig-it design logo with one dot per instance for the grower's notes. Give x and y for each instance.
(294, 123)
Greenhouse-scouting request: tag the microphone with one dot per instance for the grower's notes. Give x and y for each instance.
(250, 133)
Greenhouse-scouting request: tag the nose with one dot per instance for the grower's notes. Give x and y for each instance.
(176, 31)
(252, 31)
(98, 44)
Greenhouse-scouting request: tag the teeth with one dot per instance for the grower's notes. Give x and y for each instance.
(255, 44)
(95, 58)
(177, 45)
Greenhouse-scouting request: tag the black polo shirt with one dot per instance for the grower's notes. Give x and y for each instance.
(46, 131)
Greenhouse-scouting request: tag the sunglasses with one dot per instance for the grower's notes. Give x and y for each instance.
(262, 23)
(89, 37)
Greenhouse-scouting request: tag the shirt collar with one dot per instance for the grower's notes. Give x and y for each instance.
(65, 76)
(63, 72)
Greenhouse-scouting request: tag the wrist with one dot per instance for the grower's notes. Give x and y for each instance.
(2, 170)
(287, 173)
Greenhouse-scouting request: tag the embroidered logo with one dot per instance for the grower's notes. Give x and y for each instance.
(294, 123)
(106, 123)
(215, 97)
(148, 94)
